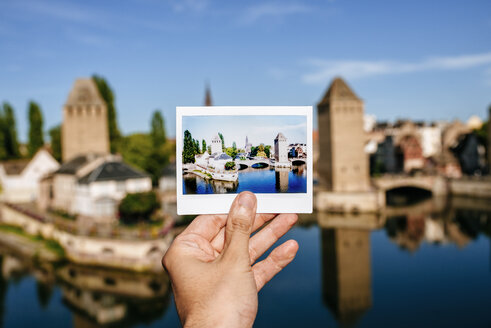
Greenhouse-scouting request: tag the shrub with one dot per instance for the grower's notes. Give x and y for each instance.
(230, 166)
(138, 206)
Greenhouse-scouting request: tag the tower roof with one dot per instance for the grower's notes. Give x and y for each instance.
(84, 92)
(338, 90)
(280, 136)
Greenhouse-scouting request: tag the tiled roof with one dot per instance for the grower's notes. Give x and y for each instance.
(116, 171)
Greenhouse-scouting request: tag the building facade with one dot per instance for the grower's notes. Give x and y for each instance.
(84, 127)
(342, 164)
(19, 179)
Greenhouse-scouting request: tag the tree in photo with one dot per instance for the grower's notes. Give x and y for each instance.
(107, 94)
(203, 146)
(260, 151)
(10, 132)
(188, 148)
(223, 141)
(36, 138)
(55, 138)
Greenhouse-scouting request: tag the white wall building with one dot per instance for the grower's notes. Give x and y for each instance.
(216, 144)
(98, 193)
(19, 179)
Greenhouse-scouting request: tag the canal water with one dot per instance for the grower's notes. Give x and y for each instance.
(257, 180)
(424, 266)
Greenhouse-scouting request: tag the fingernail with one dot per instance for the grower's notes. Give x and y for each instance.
(247, 200)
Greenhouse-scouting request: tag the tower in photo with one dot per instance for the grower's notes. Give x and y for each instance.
(84, 128)
(342, 164)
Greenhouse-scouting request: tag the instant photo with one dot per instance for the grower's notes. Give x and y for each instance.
(222, 151)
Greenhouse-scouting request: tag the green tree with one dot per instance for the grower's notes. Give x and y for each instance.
(223, 141)
(138, 206)
(159, 156)
(267, 150)
(36, 138)
(136, 149)
(234, 145)
(203, 146)
(55, 138)
(188, 148)
(230, 151)
(10, 132)
(209, 149)
(230, 166)
(157, 131)
(107, 94)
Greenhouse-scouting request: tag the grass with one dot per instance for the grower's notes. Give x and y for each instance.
(50, 244)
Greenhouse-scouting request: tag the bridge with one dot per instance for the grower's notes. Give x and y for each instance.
(435, 184)
(265, 162)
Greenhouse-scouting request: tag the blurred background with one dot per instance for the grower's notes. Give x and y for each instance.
(400, 234)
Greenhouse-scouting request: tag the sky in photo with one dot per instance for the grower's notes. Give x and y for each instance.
(406, 59)
(258, 128)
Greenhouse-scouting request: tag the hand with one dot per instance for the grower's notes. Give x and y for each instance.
(211, 264)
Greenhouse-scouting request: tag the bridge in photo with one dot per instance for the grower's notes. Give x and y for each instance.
(265, 162)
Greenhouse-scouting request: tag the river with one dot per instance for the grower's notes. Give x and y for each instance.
(260, 180)
(424, 266)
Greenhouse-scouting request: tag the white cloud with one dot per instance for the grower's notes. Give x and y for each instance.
(188, 5)
(324, 70)
(265, 10)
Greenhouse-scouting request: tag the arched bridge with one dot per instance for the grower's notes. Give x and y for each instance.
(243, 164)
(435, 184)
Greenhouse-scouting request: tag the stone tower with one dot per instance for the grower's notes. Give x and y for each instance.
(280, 149)
(84, 128)
(342, 164)
(216, 144)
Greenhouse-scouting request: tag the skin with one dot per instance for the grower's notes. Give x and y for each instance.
(212, 265)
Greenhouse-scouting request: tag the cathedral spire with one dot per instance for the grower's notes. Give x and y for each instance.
(208, 101)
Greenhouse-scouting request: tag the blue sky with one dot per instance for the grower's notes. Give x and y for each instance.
(258, 129)
(406, 59)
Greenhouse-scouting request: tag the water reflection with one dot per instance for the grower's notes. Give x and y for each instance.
(353, 270)
(259, 180)
(96, 297)
(346, 246)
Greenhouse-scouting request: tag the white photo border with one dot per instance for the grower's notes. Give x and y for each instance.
(266, 202)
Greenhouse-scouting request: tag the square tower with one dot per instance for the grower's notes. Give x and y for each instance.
(342, 164)
(280, 149)
(84, 128)
(216, 144)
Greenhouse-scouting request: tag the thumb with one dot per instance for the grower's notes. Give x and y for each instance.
(239, 226)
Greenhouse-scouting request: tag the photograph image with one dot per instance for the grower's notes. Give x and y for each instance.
(257, 153)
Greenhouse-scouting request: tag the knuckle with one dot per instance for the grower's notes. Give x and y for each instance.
(241, 224)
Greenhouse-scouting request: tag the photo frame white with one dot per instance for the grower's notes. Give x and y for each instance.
(195, 204)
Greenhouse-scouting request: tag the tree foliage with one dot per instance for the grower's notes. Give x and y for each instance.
(55, 138)
(230, 166)
(157, 131)
(203, 146)
(138, 206)
(36, 138)
(107, 94)
(159, 156)
(188, 148)
(9, 130)
(223, 141)
(230, 151)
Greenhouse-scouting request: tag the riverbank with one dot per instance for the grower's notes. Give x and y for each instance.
(141, 254)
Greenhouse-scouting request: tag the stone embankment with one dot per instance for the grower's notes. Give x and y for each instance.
(142, 253)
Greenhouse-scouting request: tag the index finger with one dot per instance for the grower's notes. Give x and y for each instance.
(207, 226)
